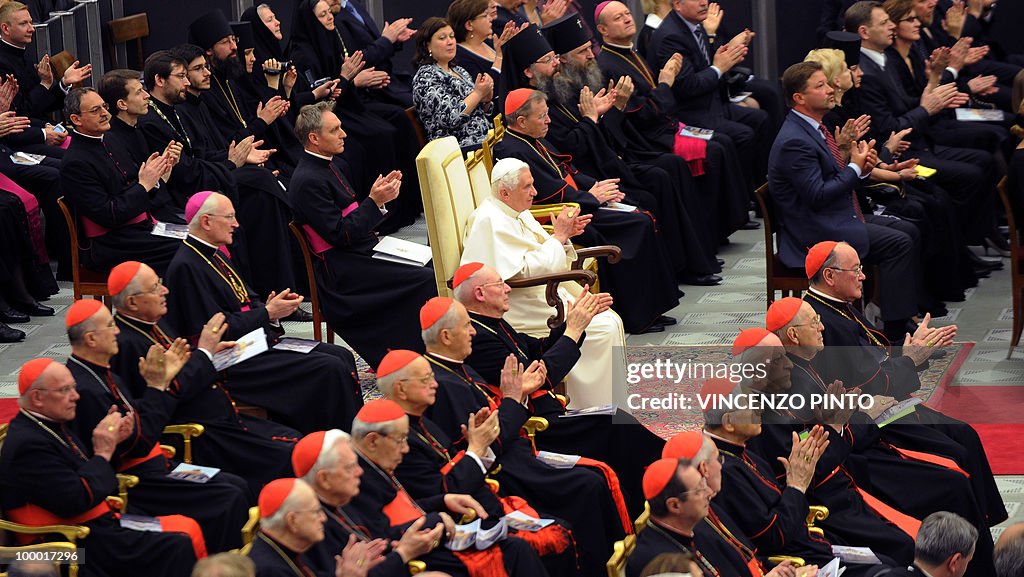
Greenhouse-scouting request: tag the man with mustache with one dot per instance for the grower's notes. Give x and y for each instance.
(111, 194)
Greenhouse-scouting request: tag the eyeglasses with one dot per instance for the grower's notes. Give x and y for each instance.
(498, 282)
(228, 40)
(547, 59)
(425, 380)
(230, 217)
(815, 322)
(180, 75)
(910, 19)
(97, 109)
(859, 269)
(400, 441)
(700, 489)
(109, 325)
(156, 288)
(62, 391)
(318, 511)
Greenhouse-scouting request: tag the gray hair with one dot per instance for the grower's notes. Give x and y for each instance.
(704, 453)
(527, 107)
(431, 334)
(275, 522)
(386, 384)
(943, 534)
(73, 101)
(131, 289)
(76, 333)
(311, 119)
(1009, 557)
(464, 292)
(224, 565)
(328, 459)
(361, 429)
(209, 205)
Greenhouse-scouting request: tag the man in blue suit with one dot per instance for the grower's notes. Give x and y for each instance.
(813, 190)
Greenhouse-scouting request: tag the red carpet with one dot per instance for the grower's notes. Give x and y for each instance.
(995, 414)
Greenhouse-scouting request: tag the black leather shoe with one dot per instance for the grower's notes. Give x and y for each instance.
(33, 309)
(9, 335)
(750, 225)
(10, 315)
(299, 316)
(703, 280)
(654, 328)
(720, 261)
(665, 321)
(979, 262)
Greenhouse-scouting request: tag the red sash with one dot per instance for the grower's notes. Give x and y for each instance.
(93, 230)
(943, 462)
(317, 242)
(613, 486)
(550, 540)
(188, 526)
(487, 563)
(126, 464)
(36, 516)
(402, 509)
(906, 523)
(693, 150)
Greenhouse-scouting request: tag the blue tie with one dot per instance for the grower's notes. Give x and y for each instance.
(355, 13)
(702, 42)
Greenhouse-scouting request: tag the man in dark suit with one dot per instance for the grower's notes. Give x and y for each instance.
(967, 174)
(699, 89)
(812, 188)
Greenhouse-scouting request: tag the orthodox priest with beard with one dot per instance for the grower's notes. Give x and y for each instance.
(589, 124)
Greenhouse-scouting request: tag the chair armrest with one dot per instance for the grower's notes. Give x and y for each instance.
(70, 532)
(611, 252)
(168, 451)
(535, 425)
(796, 561)
(816, 513)
(125, 482)
(416, 567)
(187, 431)
(583, 277)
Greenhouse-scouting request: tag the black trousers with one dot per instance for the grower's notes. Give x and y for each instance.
(968, 175)
(893, 247)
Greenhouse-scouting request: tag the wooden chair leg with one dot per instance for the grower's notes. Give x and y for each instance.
(1018, 320)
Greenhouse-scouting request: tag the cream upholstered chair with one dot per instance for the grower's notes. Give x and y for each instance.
(447, 203)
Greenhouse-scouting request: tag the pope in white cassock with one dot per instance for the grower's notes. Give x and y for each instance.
(503, 234)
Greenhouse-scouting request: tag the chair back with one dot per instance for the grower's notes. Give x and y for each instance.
(84, 281)
(314, 296)
(479, 176)
(119, 30)
(777, 275)
(1011, 225)
(417, 126)
(447, 204)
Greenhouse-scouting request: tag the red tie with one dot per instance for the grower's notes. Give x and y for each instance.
(834, 149)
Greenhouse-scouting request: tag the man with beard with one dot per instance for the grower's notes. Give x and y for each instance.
(225, 98)
(111, 194)
(588, 123)
(643, 267)
(653, 130)
(210, 162)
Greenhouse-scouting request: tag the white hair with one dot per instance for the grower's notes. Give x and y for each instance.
(506, 173)
(134, 287)
(275, 522)
(386, 384)
(208, 207)
(328, 457)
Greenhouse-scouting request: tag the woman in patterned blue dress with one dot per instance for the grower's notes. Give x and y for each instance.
(448, 101)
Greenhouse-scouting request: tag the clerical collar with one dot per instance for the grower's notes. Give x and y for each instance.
(40, 416)
(320, 156)
(722, 439)
(199, 240)
(826, 297)
(484, 318)
(653, 20)
(120, 120)
(620, 46)
(161, 104)
(136, 319)
(673, 532)
(878, 58)
(77, 133)
(22, 48)
(504, 208)
(444, 358)
(90, 364)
